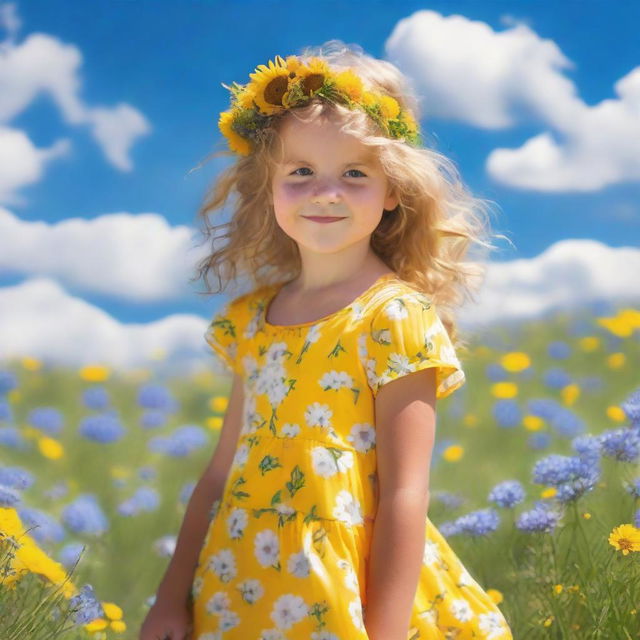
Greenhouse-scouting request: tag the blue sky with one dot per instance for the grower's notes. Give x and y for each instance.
(157, 66)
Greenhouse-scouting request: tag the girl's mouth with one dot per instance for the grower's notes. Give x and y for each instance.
(323, 219)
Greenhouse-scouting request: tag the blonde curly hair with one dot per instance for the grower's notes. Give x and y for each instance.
(425, 240)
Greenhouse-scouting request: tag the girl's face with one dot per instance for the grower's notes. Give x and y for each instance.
(327, 173)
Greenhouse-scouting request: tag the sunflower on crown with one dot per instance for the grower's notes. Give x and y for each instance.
(284, 84)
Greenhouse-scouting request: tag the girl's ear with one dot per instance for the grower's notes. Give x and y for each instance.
(391, 201)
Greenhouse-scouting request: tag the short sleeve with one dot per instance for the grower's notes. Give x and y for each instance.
(406, 335)
(222, 335)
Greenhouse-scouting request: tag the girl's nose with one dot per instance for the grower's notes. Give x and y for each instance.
(326, 192)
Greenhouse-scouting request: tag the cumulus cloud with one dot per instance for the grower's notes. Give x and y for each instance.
(43, 65)
(568, 274)
(136, 257)
(465, 70)
(39, 319)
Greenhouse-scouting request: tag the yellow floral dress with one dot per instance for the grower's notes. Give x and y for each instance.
(287, 549)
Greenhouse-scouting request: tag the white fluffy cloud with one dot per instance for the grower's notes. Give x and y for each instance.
(568, 274)
(137, 257)
(43, 65)
(41, 320)
(465, 70)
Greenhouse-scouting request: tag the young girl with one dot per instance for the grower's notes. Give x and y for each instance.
(310, 521)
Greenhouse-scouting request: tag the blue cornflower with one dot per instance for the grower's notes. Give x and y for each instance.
(96, 397)
(58, 490)
(556, 378)
(6, 413)
(586, 446)
(636, 520)
(70, 554)
(538, 519)
(147, 499)
(85, 606)
(8, 381)
(9, 497)
(448, 529)
(567, 424)
(156, 396)
(633, 487)
(572, 476)
(181, 442)
(559, 350)
(496, 372)
(101, 428)
(631, 407)
(507, 494)
(147, 473)
(47, 419)
(507, 413)
(539, 440)
(448, 499)
(479, 523)
(16, 478)
(622, 444)
(544, 408)
(153, 418)
(45, 527)
(84, 515)
(128, 508)
(12, 438)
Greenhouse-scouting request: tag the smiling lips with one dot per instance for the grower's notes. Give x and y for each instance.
(322, 219)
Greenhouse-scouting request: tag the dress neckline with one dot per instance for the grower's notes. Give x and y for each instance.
(275, 288)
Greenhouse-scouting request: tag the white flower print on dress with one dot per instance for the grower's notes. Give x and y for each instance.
(267, 547)
(299, 565)
(347, 508)
(241, 456)
(237, 523)
(493, 625)
(228, 620)
(323, 635)
(270, 381)
(461, 610)
(218, 603)
(431, 553)
(336, 380)
(196, 587)
(363, 437)
(290, 430)
(328, 462)
(223, 564)
(350, 577)
(287, 610)
(465, 579)
(251, 590)
(355, 612)
(318, 415)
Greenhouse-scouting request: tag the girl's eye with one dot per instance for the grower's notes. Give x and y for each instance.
(307, 169)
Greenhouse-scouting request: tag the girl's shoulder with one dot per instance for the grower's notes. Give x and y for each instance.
(394, 291)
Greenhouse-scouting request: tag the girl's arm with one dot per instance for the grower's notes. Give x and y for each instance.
(175, 586)
(405, 433)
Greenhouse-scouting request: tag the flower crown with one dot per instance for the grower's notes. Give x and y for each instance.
(290, 83)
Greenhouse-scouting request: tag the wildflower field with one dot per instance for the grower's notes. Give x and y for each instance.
(535, 482)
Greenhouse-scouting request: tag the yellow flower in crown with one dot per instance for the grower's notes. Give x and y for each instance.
(284, 84)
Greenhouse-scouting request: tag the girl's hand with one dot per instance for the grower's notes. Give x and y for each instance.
(166, 622)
